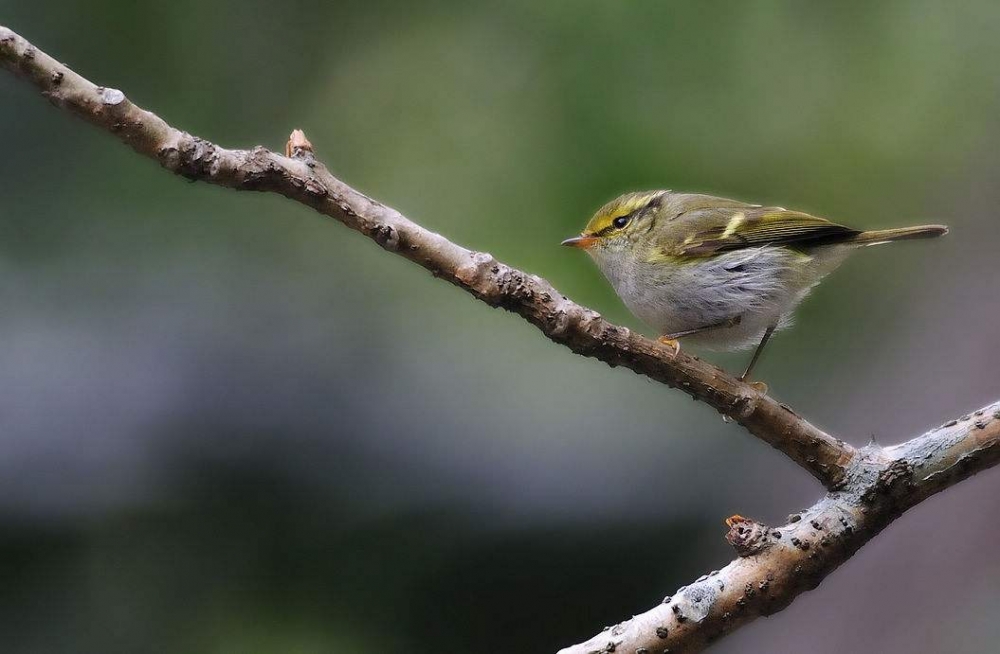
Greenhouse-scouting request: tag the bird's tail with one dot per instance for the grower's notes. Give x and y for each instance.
(877, 236)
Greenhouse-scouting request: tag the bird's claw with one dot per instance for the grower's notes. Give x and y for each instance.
(672, 343)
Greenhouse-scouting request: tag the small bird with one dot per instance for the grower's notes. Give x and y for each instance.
(722, 274)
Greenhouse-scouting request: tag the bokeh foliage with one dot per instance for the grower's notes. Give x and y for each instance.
(229, 425)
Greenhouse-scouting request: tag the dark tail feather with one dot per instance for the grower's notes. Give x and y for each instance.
(877, 236)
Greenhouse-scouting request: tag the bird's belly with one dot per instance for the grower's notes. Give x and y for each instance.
(734, 325)
(744, 292)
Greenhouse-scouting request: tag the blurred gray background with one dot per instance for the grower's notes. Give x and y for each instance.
(228, 424)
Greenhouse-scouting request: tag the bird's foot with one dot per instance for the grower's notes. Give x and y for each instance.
(759, 386)
(672, 343)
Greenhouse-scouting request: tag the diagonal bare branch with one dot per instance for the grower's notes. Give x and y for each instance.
(868, 488)
(305, 180)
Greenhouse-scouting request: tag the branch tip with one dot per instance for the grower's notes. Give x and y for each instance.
(298, 145)
(746, 536)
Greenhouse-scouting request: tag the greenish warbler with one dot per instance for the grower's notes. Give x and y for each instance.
(721, 273)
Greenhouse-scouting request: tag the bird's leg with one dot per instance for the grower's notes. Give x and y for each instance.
(760, 386)
(670, 340)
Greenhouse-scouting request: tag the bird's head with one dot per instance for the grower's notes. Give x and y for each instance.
(619, 222)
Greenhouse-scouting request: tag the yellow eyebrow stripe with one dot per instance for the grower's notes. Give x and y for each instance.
(633, 204)
(624, 205)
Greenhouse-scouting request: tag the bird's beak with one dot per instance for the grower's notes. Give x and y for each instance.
(582, 242)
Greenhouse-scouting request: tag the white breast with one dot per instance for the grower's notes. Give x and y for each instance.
(760, 285)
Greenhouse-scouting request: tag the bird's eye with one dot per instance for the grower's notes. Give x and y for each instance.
(620, 222)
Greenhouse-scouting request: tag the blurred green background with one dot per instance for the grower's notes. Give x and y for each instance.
(231, 425)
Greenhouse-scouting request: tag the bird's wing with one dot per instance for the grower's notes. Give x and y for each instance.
(731, 229)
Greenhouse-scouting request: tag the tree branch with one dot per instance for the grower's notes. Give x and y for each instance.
(305, 180)
(777, 564)
(868, 488)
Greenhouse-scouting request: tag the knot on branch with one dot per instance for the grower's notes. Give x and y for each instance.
(259, 169)
(893, 482)
(482, 275)
(190, 157)
(499, 285)
(387, 236)
(317, 191)
(111, 97)
(748, 537)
